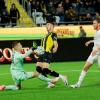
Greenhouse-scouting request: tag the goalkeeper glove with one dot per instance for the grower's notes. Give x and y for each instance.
(34, 46)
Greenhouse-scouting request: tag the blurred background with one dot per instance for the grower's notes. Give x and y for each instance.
(28, 13)
(25, 20)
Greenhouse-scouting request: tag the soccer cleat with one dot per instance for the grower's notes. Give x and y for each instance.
(75, 86)
(64, 79)
(2, 87)
(50, 85)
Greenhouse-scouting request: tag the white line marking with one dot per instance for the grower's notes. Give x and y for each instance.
(93, 71)
(4, 74)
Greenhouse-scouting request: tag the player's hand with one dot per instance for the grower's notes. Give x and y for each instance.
(87, 43)
(34, 45)
(36, 57)
(54, 50)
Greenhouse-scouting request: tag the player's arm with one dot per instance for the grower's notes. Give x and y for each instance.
(55, 47)
(55, 43)
(22, 56)
(36, 56)
(32, 50)
(89, 42)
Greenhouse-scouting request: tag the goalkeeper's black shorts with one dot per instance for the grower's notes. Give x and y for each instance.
(46, 57)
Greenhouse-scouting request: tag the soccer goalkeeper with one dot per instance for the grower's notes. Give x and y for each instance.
(17, 70)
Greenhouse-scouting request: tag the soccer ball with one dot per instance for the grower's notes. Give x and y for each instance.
(40, 50)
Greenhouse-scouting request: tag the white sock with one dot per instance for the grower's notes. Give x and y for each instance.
(61, 76)
(82, 75)
(49, 83)
(43, 78)
(11, 87)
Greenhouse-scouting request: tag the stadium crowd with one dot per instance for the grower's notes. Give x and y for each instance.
(63, 11)
(67, 10)
(8, 18)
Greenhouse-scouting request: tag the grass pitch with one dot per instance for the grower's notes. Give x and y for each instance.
(35, 89)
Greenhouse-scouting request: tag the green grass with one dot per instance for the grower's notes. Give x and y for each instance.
(34, 89)
(20, 36)
(26, 36)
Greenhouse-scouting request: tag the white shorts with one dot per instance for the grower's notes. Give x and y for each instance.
(91, 59)
(19, 76)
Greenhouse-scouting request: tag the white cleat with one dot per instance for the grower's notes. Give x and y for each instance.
(50, 85)
(75, 86)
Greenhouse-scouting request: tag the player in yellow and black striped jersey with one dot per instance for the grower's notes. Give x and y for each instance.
(50, 45)
(48, 42)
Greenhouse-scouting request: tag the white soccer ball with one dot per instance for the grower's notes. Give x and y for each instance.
(40, 50)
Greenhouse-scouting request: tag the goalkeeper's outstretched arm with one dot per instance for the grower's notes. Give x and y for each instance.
(32, 50)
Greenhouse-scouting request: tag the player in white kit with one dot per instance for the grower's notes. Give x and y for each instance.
(94, 55)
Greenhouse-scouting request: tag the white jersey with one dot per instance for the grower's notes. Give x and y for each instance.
(92, 58)
(97, 39)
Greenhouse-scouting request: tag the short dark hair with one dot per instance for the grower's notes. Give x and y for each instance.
(51, 19)
(97, 19)
(14, 43)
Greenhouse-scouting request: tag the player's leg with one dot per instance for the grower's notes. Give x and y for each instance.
(17, 86)
(38, 75)
(9, 87)
(47, 71)
(28, 75)
(12, 87)
(41, 75)
(46, 62)
(86, 67)
(16, 78)
(83, 73)
(39, 69)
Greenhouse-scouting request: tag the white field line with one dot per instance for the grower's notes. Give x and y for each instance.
(93, 71)
(4, 74)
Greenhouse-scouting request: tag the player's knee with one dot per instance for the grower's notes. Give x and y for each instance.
(46, 70)
(39, 69)
(87, 66)
(85, 69)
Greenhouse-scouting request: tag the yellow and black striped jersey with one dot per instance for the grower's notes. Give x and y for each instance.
(48, 41)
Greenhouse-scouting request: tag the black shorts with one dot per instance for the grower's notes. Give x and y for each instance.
(46, 57)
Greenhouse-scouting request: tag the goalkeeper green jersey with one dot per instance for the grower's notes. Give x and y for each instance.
(17, 60)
